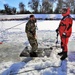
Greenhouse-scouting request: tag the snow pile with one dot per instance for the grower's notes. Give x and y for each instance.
(4, 66)
(45, 65)
(71, 68)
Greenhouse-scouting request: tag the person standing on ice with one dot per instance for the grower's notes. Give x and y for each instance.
(30, 30)
(65, 30)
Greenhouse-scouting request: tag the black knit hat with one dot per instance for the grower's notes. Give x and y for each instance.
(31, 16)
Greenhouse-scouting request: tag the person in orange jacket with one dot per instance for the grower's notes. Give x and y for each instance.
(65, 30)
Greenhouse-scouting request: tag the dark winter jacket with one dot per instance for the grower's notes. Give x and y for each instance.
(30, 28)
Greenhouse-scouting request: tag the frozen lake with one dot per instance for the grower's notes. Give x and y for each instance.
(14, 39)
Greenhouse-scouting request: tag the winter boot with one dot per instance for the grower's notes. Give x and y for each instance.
(61, 53)
(64, 56)
(33, 54)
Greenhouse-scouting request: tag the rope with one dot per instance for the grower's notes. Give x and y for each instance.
(12, 27)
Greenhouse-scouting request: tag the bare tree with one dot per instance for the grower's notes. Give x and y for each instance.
(7, 9)
(47, 6)
(13, 10)
(21, 6)
(66, 3)
(33, 4)
(59, 4)
(56, 11)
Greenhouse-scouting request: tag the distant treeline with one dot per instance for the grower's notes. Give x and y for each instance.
(28, 19)
(37, 7)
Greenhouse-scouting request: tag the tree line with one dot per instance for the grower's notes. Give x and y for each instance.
(37, 7)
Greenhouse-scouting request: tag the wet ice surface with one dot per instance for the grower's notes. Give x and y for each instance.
(71, 51)
(72, 56)
(15, 40)
(14, 43)
(10, 55)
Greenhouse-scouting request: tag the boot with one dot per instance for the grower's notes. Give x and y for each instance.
(64, 56)
(33, 54)
(61, 53)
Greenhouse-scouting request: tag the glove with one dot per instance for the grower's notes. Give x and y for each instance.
(64, 35)
(57, 30)
(34, 20)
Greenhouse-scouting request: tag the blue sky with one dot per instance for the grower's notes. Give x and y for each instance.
(15, 3)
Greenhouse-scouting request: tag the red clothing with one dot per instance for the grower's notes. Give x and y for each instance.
(65, 26)
(64, 44)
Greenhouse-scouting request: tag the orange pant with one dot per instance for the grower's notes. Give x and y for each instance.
(64, 43)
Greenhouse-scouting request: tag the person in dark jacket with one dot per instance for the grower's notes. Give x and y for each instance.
(65, 30)
(30, 30)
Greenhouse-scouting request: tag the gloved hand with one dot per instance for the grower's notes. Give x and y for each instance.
(64, 35)
(57, 30)
(35, 20)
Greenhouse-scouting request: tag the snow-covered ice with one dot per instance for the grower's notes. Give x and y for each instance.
(14, 41)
